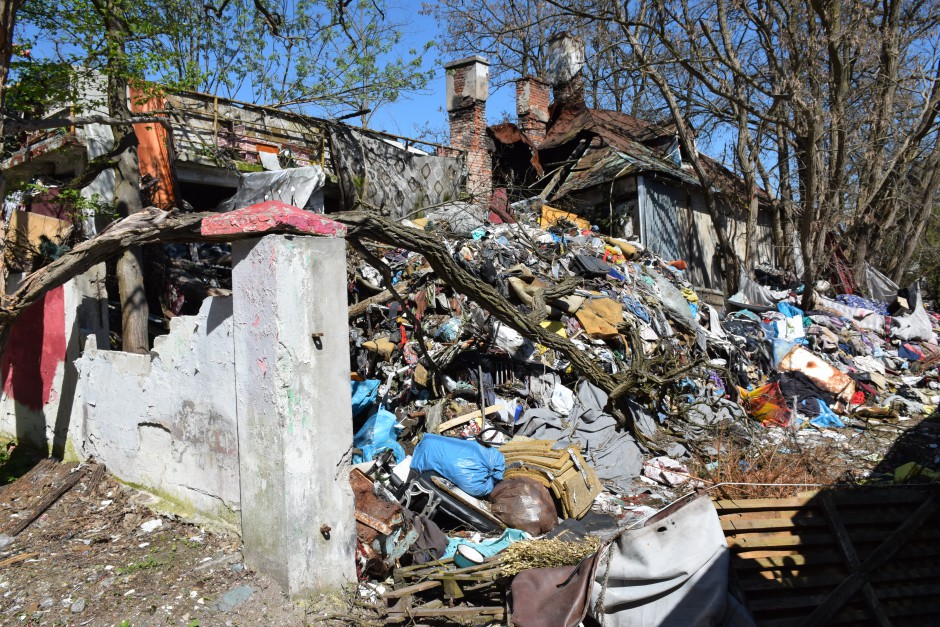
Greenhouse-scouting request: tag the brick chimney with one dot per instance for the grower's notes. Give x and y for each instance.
(467, 91)
(532, 101)
(565, 62)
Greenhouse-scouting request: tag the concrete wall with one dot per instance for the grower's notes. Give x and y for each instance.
(39, 375)
(166, 421)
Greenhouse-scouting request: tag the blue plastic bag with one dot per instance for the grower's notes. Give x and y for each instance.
(379, 434)
(473, 468)
(363, 395)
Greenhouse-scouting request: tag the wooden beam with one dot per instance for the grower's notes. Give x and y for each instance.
(459, 420)
(68, 482)
(418, 587)
(838, 597)
(851, 558)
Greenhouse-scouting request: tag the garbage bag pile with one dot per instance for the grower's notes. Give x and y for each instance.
(480, 437)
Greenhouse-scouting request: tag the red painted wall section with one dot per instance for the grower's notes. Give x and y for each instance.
(37, 346)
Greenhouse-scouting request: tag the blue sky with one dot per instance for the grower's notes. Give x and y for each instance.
(415, 111)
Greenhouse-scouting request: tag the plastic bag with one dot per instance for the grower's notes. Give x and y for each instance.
(379, 434)
(470, 466)
(363, 395)
(524, 503)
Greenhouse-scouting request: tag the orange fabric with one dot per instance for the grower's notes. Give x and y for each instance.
(766, 404)
(152, 152)
(266, 148)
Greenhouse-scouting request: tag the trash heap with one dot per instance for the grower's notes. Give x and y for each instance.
(484, 459)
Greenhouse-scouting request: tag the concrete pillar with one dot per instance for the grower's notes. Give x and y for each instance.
(293, 406)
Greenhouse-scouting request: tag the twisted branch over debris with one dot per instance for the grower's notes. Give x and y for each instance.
(361, 224)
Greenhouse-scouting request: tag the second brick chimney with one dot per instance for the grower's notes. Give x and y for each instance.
(467, 91)
(532, 99)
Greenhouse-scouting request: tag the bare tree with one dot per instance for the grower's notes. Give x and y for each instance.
(834, 105)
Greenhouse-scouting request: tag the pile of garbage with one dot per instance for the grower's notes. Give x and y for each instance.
(476, 446)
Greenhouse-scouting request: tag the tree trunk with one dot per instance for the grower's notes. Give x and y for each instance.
(134, 308)
(8, 9)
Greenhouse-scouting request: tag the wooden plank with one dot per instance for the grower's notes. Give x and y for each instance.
(837, 598)
(810, 518)
(787, 601)
(22, 557)
(859, 496)
(459, 420)
(848, 551)
(756, 560)
(758, 581)
(412, 589)
(67, 484)
(750, 541)
(95, 478)
(464, 613)
(903, 590)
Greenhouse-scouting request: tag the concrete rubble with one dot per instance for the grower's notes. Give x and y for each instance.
(480, 445)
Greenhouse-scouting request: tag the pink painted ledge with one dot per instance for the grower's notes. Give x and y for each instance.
(272, 216)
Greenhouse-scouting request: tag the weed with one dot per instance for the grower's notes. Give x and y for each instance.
(774, 472)
(133, 567)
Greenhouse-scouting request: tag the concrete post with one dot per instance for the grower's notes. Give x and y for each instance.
(293, 406)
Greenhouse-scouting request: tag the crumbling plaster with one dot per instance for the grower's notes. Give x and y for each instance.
(166, 421)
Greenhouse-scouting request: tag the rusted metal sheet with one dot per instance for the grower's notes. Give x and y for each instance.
(838, 556)
(381, 528)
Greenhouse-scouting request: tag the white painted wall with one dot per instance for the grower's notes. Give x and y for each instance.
(166, 421)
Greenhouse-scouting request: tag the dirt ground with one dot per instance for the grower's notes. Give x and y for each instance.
(100, 556)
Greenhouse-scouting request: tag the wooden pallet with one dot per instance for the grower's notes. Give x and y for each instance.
(838, 556)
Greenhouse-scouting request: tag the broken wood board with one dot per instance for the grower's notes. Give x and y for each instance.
(474, 415)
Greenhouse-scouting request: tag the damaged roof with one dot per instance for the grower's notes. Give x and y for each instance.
(628, 144)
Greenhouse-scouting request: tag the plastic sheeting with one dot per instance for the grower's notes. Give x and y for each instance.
(916, 325)
(300, 187)
(752, 293)
(671, 571)
(378, 434)
(98, 141)
(880, 287)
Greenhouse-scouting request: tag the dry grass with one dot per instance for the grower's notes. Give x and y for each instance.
(551, 553)
(779, 471)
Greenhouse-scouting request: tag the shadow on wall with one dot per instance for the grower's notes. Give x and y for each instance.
(38, 344)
